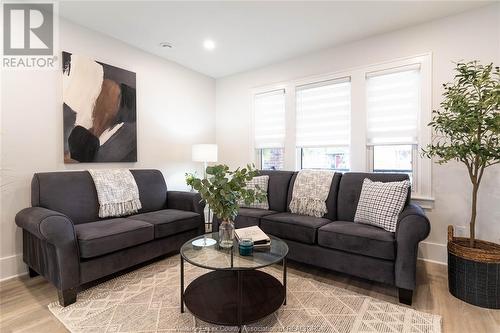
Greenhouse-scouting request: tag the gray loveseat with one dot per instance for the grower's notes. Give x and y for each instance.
(334, 241)
(65, 241)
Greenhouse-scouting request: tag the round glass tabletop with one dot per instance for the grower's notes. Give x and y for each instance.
(215, 257)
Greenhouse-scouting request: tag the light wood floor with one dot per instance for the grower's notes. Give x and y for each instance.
(23, 301)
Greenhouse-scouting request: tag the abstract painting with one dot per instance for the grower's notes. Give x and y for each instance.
(99, 111)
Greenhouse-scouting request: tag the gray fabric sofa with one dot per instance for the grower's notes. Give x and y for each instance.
(65, 241)
(334, 241)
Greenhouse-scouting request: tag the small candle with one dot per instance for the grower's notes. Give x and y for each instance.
(246, 247)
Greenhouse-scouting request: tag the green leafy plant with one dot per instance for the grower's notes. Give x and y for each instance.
(467, 127)
(223, 190)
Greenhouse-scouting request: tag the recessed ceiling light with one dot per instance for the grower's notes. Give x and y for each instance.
(166, 45)
(209, 44)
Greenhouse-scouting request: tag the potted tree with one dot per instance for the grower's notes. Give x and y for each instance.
(467, 130)
(224, 191)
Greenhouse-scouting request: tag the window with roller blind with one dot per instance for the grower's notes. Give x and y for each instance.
(393, 104)
(369, 118)
(269, 129)
(322, 128)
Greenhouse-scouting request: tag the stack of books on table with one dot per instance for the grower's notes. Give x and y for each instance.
(259, 237)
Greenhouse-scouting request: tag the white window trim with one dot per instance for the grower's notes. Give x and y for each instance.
(422, 193)
(257, 158)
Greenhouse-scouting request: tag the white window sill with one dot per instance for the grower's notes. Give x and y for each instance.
(425, 202)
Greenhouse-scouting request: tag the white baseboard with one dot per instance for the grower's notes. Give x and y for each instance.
(433, 261)
(433, 252)
(12, 266)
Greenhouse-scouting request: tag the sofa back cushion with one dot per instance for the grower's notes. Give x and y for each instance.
(331, 200)
(350, 191)
(73, 193)
(277, 189)
(152, 189)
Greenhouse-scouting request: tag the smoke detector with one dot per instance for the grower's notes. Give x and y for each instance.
(166, 45)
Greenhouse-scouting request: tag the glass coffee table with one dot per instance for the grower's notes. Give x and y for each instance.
(235, 292)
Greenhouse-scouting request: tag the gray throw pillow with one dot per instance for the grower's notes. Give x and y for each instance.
(381, 203)
(262, 183)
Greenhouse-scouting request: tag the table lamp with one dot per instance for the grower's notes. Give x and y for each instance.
(206, 152)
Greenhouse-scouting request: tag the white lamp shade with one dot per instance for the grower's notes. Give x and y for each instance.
(204, 153)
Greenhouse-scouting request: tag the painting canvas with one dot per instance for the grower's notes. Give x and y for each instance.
(99, 111)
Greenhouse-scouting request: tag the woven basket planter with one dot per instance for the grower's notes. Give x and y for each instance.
(474, 273)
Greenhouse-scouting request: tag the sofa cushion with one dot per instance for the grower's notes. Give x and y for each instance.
(350, 190)
(300, 228)
(277, 188)
(248, 217)
(152, 189)
(70, 193)
(168, 222)
(358, 238)
(106, 236)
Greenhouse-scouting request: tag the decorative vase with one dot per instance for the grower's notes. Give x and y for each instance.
(473, 273)
(226, 234)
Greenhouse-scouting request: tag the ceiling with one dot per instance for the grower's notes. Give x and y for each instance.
(249, 34)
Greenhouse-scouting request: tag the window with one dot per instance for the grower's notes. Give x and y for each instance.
(335, 158)
(272, 159)
(323, 124)
(392, 113)
(269, 129)
(393, 103)
(370, 118)
(393, 159)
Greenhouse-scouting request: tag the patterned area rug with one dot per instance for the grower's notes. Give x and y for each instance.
(148, 300)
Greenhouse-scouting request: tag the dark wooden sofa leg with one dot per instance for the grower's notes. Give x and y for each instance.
(405, 296)
(32, 273)
(66, 297)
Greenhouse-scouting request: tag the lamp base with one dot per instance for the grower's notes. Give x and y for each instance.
(203, 242)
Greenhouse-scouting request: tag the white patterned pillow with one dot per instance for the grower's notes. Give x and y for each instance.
(380, 203)
(262, 183)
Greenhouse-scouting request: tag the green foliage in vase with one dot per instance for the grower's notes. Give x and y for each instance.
(223, 190)
(467, 127)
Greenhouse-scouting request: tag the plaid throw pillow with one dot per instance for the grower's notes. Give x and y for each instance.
(261, 182)
(380, 203)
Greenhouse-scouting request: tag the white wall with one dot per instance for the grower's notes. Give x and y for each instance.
(175, 108)
(468, 36)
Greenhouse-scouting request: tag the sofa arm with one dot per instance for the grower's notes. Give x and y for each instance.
(190, 201)
(413, 227)
(56, 229)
